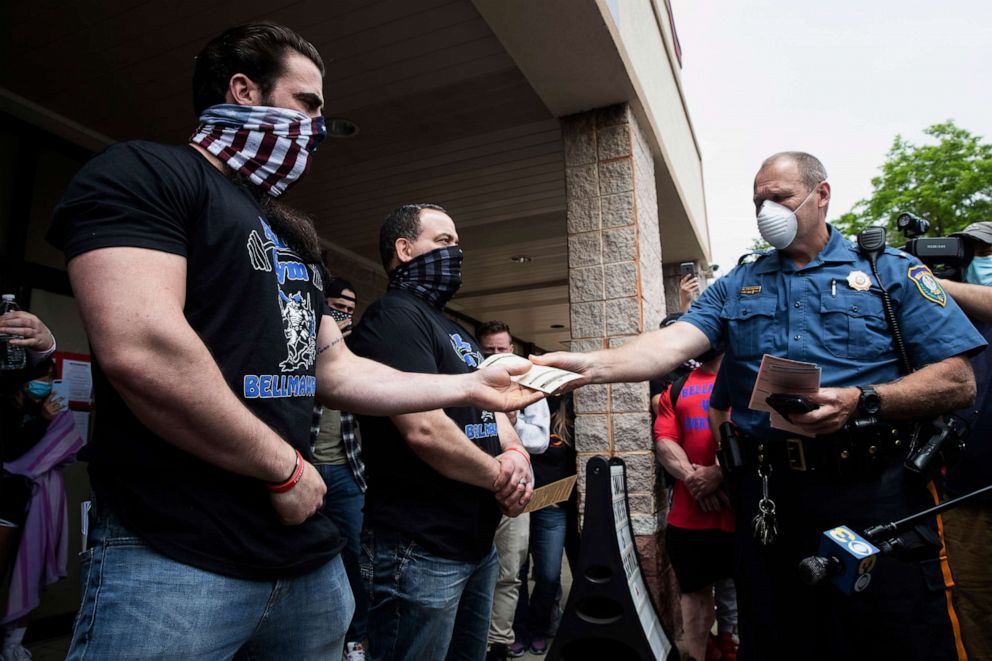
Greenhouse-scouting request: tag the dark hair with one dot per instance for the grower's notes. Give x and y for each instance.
(12, 380)
(336, 287)
(401, 223)
(256, 50)
(492, 328)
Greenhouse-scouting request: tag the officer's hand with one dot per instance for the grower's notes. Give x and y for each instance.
(580, 363)
(837, 405)
(303, 500)
(703, 481)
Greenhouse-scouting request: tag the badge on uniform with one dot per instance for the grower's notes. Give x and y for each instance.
(927, 284)
(751, 289)
(858, 281)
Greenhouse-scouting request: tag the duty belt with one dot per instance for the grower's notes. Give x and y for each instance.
(845, 454)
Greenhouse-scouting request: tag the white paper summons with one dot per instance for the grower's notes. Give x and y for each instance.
(540, 377)
(781, 375)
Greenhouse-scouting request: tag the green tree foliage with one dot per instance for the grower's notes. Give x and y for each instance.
(758, 243)
(947, 181)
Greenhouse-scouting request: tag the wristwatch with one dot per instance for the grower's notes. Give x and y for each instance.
(869, 403)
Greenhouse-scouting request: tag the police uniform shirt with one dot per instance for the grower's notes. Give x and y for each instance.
(828, 312)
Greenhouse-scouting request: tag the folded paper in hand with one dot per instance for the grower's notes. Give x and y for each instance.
(550, 494)
(781, 375)
(540, 377)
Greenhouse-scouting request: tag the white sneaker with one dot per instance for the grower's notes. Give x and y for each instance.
(354, 652)
(17, 653)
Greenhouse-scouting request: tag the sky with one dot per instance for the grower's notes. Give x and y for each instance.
(836, 79)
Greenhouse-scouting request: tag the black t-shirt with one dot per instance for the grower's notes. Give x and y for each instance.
(256, 307)
(451, 519)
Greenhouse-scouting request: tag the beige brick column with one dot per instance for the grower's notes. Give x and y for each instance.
(616, 292)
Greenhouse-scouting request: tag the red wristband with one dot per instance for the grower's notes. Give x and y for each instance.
(520, 450)
(283, 487)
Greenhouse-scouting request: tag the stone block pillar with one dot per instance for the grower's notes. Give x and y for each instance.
(616, 292)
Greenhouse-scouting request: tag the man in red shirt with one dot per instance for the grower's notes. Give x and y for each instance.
(699, 536)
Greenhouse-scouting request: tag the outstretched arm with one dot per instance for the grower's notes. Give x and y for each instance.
(349, 383)
(643, 358)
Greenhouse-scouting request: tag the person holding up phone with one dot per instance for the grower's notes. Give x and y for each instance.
(688, 285)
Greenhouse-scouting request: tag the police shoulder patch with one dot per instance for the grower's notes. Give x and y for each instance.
(752, 257)
(927, 284)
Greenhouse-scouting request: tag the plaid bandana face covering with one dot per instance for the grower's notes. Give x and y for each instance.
(270, 146)
(434, 276)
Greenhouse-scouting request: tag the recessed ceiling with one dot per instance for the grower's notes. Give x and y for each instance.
(444, 115)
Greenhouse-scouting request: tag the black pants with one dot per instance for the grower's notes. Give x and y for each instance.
(903, 614)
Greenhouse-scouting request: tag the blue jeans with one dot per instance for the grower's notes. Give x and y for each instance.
(423, 607)
(138, 604)
(343, 504)
(547, 541)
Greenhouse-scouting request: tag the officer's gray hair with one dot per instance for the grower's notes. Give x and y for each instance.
(811, 170)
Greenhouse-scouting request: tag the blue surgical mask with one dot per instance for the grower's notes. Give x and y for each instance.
(39, 389)
(979, 271)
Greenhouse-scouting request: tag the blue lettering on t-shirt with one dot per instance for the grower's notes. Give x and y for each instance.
(480, 430)
(271, 386)
(284, 270)
(291, 271)
(695, 424)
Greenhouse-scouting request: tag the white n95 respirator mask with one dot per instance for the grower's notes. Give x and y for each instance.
(777, 223)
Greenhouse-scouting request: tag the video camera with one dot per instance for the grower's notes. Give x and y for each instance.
(945, 255)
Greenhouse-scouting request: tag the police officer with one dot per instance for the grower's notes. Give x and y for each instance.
(814, 298)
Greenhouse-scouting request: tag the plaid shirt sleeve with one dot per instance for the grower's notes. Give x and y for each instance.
(351, 437)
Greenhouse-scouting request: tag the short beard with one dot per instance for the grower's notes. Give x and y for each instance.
(292, 226)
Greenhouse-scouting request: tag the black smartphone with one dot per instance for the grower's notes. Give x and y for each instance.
(687, 268)
(786, 404)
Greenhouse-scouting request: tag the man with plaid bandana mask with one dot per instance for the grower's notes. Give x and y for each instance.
(202, 297)
(431, 508)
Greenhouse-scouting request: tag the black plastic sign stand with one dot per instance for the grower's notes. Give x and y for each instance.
(609, 614)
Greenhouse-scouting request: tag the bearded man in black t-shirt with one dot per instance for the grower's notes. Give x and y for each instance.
(202, 299)
(432, 503)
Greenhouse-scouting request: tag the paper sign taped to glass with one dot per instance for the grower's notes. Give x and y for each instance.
(540, 377)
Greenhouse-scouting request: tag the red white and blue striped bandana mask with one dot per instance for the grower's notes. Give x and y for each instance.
(270, 146)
